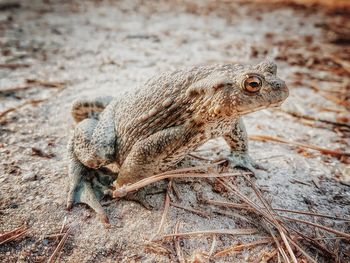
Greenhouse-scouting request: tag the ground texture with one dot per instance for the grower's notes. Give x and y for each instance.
(53, 52)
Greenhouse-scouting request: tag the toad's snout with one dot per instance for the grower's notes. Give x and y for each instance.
(280, 89)
(279, 93)
(284, 90)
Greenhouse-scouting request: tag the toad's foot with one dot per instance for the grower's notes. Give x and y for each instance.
(243, 160)
(90, 188)
(141, 195)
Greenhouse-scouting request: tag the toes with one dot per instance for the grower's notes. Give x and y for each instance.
(83, 192)
(243, 160)
(88, 197)
(259, 166)
(139, 197)
(105, 220)
(70, 200)
(146, 204)
(69, 205)
(74, 195)
(89, 186)
(246, 166)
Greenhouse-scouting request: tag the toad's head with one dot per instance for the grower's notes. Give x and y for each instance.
(258, 88)
(235, 90)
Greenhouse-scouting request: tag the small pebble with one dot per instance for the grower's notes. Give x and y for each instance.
(29, 177)
(30, 198)
(13, 206)
(197, 187)
(12, 140)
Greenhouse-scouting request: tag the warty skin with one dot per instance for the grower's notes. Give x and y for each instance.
(153, 128)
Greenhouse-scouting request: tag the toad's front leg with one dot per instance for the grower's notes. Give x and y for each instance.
(237, 139)
(91, 147)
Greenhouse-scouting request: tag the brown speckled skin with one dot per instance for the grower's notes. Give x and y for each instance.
(152, 129)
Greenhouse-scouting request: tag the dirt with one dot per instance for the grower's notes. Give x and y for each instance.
(56, 51)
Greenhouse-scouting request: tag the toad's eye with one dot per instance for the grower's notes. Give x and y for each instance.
(252, 83)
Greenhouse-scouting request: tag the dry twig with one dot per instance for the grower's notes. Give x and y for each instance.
(63, 225)
(165, 212)
(267, 216)
(179, 252)
(270, 220)
(122, 191)
(238, 248)
(277, 224)
(331, 230)
(33, 102)
(311, 118)
(30, 83)
(267, 256)
(313, 147)
(196, 211)
(233, 232)
(243, 206)
(156, 248)
(212, 247)
(277, 242)
(310, 259)
(59, 246)
(13, 234)
(314, 242)
(14, 65)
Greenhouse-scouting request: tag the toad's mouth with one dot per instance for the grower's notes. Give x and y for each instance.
(275, 105)
(272, 105)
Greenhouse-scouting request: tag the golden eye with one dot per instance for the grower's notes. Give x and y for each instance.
(252, 84)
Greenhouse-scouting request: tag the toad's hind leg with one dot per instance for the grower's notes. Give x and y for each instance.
(91, 147)
(86, 187)
(152, 155)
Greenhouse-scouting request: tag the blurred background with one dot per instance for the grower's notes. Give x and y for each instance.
(53, 52)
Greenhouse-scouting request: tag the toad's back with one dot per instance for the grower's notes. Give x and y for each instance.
(163, 101)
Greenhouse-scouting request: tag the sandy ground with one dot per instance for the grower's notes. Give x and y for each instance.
(58, 51)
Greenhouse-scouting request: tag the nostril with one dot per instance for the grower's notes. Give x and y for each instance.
(280, 84)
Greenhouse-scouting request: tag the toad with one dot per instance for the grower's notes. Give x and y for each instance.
(153, 128)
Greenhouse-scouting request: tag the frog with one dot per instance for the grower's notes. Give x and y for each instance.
(155, 126)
